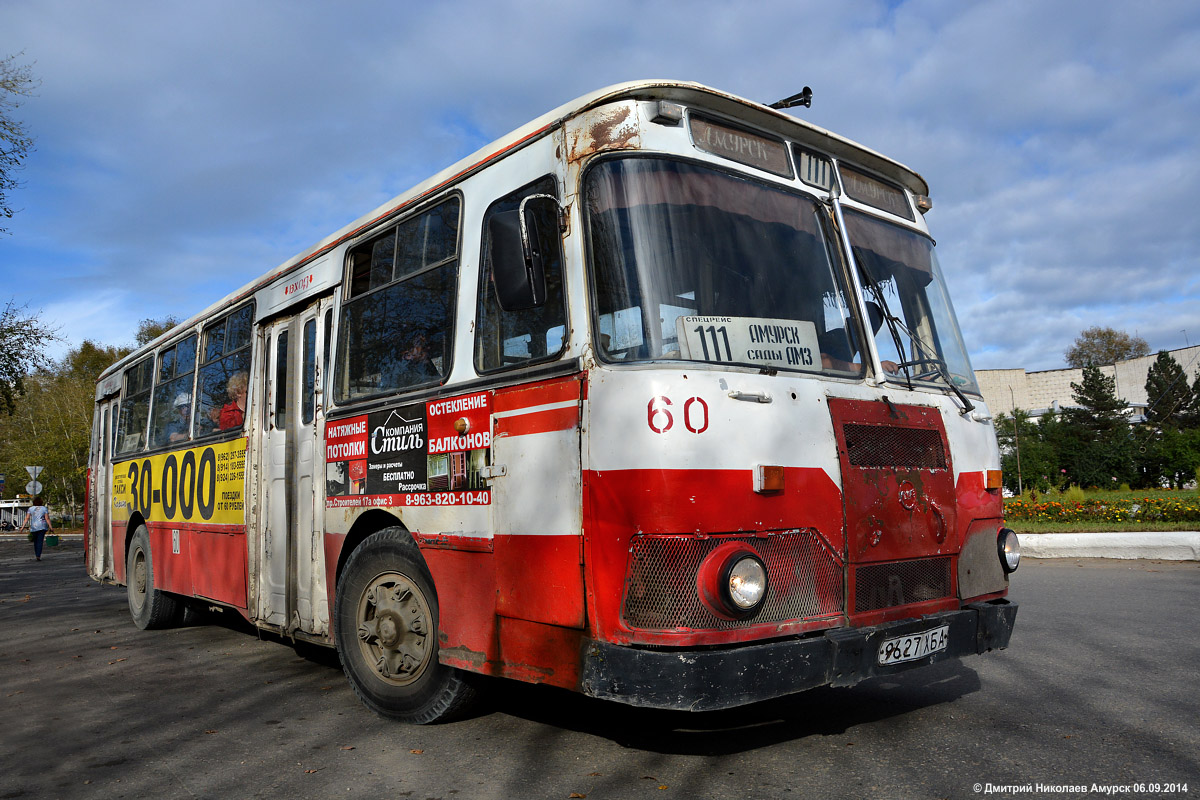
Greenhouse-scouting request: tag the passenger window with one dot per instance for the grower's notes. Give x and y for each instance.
(513, 338)
(135, 408)
(172, 415)
(399, 334)
(225, 373)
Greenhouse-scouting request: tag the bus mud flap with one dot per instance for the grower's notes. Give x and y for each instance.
(996, 623)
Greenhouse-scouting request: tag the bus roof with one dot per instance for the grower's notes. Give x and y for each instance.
(679, 91)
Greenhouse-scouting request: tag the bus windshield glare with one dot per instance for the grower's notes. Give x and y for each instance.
(906, 299)
(698, 264)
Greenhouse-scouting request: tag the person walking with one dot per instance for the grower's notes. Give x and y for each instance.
(38, 522)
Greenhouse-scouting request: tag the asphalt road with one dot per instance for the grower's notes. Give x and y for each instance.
(1098, 687)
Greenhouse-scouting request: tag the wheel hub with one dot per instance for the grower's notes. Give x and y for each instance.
(394, 629)
(139, 574)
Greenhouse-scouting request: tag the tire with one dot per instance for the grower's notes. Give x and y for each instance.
(150, 607)
(386, 629)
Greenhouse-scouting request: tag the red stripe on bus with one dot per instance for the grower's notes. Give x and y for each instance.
(559, 390)
(553, 419)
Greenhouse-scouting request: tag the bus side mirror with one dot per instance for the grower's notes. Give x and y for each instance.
(521, 242)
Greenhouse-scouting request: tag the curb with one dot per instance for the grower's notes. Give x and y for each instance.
(1162, 546)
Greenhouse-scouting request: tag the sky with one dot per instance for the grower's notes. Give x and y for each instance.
(183, 149)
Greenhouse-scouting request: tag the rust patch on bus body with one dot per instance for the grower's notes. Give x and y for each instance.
(614, 128)
(461, 656)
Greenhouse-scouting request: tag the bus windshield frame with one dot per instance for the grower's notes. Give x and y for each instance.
(916, 331)
(691, 262)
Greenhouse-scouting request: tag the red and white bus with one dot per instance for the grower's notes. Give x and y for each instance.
(660, 398)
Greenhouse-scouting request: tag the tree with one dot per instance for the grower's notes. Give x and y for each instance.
(1169, 397)
(22, 340)
(1026, 441)
(1095, 447)
(1099, 409)
(151, 329)
(1101, 345)
(16, 82)
(52, 423)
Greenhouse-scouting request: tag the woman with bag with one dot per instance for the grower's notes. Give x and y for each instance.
(38, 521)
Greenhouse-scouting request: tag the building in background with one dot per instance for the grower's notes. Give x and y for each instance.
(1046, 390)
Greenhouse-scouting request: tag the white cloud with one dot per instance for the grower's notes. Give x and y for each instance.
(181, 155)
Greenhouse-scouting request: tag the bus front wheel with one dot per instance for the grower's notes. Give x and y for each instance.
(150, 607)
(386, 626)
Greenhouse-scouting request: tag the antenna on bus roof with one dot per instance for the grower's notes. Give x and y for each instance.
(802, 99)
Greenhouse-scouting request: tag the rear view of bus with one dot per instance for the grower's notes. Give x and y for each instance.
(660, 398)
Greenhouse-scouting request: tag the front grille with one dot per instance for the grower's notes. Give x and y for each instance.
(891, 446)
(879, 586)
(804, 580)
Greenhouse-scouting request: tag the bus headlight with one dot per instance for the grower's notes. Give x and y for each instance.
(747, 582)
(1010, 550)
(732, 581)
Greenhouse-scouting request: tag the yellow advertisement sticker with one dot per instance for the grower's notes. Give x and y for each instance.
(200, 485)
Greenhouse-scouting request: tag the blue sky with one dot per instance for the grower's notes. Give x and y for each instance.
(184, 148)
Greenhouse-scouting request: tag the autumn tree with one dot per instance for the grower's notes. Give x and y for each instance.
(1100, 345)
(23, 338)
(51, 424)
(16, 83)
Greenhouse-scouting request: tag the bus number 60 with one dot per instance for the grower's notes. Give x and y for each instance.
(660, 419)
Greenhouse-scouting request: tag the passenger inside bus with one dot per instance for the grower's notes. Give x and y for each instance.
(177, 430)
(415, 365)
(232, 413)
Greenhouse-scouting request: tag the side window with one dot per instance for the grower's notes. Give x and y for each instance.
(513, 338)
(171, 421)
(309, 401)
(281, 380)
(224, 373)
(396, 329)
(135, 408)
(103, 439)
(325, 358)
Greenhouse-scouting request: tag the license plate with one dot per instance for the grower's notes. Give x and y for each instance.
(913, 646)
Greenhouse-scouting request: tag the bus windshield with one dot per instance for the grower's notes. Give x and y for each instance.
(697, 264)
(906, 299)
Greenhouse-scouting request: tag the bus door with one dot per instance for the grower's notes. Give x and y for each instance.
(100, 544)
(291, 591)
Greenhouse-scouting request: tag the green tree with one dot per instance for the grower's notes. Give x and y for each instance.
(151, 329)
(1169, 397)
(23, 338)
(1023, 440)
(1100, 345)
(1191, 418)
(16, 83)
(52, 422)
(1095, 447)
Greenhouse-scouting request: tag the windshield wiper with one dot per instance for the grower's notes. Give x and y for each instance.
(928, 354)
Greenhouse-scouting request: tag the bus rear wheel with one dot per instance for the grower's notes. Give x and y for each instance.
(386, 627)
(150, 607)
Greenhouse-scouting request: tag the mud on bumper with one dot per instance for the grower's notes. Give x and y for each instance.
(704, 680)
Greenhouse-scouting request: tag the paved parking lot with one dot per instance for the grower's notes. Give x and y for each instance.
(1099, 686)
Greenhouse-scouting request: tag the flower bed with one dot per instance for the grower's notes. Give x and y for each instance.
(1100, 510)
